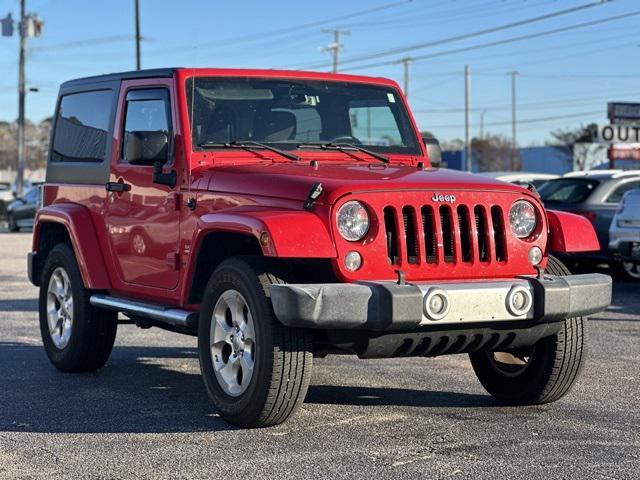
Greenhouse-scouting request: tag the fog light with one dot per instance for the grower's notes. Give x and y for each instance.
(436, 304)
(535, 256)
(352, 261)
(519, 300)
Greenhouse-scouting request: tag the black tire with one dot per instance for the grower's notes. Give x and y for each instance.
(282, 357)
(553, 364)
(11, 224)
(93, 330)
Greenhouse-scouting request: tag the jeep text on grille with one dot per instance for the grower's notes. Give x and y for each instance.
(282, 215)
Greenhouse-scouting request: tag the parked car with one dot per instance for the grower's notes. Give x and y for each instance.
(522, 178)
(624, 235)
(595, 195)
(279, 215)
(21, 212)
(6, 197)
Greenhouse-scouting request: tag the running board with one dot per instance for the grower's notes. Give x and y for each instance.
(159, 313)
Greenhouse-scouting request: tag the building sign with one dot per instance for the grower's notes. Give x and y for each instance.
(619, 134)
(631, 152)
(621, 112)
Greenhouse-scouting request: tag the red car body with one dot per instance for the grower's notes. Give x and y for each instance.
(144, 243)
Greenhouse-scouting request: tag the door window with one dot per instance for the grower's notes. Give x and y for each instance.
(147, 111)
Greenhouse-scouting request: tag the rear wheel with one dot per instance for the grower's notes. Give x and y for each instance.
(76, 336)
(541, 373)
(256, 371)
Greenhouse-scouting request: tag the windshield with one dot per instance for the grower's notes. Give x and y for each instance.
(287, 113)
(568, 190)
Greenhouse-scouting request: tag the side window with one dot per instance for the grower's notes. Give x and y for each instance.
(82, 127)
(147, 110)
(618, 193)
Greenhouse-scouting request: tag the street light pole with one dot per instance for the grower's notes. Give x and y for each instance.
(513, 119)
(21, 96)
(137, 9)
(467, 117)
(405, 63)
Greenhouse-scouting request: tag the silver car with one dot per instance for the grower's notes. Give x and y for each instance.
(624, 234)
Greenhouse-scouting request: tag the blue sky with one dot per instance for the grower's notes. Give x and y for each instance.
(565, 79)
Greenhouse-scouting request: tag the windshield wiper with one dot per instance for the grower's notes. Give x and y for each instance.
(249, 145)
(345, 147)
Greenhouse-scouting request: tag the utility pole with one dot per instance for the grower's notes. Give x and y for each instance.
(405, 63)
(482, 114)
(336, 46)
(467, 118)
(137, 9)
(22, 30)
(514, 146)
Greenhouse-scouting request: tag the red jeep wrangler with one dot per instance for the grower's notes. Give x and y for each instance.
(283, 215)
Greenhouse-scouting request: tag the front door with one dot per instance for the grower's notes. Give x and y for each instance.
(143, 220)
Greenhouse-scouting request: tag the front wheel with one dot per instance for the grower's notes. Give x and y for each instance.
(256, 371)
(541, 373)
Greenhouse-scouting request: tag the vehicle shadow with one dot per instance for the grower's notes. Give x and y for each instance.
(22, 305)
(350, 395)
(139, 392)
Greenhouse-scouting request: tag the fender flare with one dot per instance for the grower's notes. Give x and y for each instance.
(280, 233)
(77, 221)
(569, 233)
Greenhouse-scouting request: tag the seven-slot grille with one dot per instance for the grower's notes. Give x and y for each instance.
(435, 234)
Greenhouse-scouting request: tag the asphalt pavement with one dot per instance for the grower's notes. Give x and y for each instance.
(146, 414)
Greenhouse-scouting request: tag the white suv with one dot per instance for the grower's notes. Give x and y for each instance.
(624, 234)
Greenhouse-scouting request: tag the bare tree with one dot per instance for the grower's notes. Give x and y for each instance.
(576, 145)
(493, 153)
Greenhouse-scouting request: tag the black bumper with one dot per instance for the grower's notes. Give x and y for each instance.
(385, 306)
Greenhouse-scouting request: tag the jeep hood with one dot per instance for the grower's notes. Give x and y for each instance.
(294, 181)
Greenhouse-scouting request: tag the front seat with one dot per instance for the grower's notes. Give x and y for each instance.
(275, 126)
(221, 126)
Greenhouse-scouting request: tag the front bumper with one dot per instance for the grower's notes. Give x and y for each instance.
(387, 306)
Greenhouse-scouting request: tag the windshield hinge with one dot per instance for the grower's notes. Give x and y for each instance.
(313, 195)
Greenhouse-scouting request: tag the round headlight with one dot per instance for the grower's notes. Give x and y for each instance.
(353, 221)
(522, 218)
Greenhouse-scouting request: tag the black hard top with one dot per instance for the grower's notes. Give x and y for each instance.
(110, 77)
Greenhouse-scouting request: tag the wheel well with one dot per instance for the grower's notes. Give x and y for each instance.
(215, 248)
(50, 235)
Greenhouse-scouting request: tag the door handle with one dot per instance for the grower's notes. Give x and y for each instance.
(117, 187)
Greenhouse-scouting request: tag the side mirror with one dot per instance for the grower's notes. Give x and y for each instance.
(433, 151)
(146, 147)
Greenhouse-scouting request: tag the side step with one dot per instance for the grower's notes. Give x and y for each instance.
(159, 313)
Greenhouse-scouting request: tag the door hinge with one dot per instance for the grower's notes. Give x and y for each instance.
(173, 260)
(173, 201)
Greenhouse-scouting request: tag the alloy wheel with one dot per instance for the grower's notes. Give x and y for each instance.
(60, 308)
(232, 338)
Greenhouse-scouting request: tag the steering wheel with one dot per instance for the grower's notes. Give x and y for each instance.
(346, 139)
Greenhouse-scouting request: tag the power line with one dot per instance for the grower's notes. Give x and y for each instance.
(532, 105)
(466, 36)
(84, 43)
(527, 120)
(507, 40)
(232, 41)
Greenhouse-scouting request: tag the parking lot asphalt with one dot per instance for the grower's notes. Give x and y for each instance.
(146, 414)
